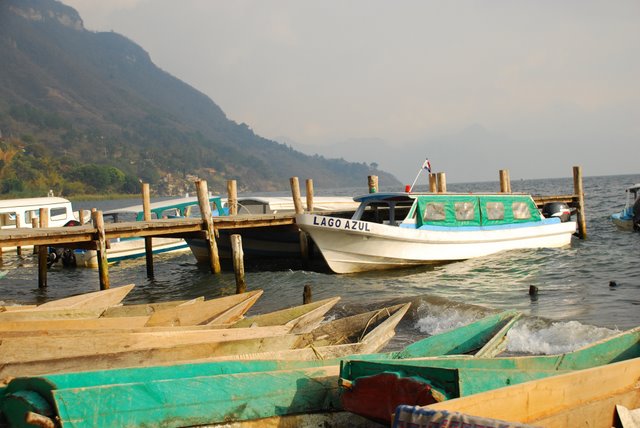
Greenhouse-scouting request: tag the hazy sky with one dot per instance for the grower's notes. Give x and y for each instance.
(532, 86)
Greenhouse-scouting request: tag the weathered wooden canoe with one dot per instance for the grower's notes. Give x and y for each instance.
(206, 393)
(94, 300)
(375, 388)
(22, 356)
(298, 319)
(219, 312)
(581, 398)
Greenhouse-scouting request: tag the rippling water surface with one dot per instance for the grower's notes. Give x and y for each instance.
(574, 306)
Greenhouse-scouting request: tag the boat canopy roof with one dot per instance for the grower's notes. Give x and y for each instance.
(158, 207)
(634, 189)
(31, 203)
(474, 210)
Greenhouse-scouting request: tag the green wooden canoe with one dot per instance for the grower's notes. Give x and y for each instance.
(206, 393)
(375, 388)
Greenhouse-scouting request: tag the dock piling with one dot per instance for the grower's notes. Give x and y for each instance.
(238, 263)
(34, 225)
(306, 294)
(372, 182)
(442, 182)
(232, 197)
(18, 225)
(578, 190)
(433, 182)
(205, 211)
(148, 240)
(42, 251)
(309, 183)
(295, 194)
(103, 263)
(505, 182)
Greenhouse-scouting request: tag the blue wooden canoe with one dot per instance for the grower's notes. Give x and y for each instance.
(374, 389)
(206, 393)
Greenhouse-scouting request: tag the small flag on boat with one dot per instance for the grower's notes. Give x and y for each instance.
(427, 165)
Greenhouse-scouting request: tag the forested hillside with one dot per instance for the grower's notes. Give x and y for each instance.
(89, 112)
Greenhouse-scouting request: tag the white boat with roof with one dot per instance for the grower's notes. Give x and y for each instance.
(624, 219)
(400, 229)
(130, 248)
(21, 212)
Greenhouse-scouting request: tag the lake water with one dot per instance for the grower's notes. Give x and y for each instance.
(575, 304)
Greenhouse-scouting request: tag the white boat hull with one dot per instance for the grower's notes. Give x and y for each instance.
(351, 246)
(129, 249)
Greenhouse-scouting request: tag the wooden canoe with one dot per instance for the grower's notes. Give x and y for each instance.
(28, 356)
(297, 319)
(581, 398)
(198, 394)
(216, 312)
(94, 300)
(375, 388)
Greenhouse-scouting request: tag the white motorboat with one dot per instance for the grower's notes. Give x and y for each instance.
(436, 228)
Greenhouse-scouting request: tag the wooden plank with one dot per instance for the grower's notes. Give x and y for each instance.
(51, 327)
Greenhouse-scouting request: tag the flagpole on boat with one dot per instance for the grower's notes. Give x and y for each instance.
(425, 166)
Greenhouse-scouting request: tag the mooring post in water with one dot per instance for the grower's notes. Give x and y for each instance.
(81, 216)
(42, 251)
(578, 191)
(238, 263)
(505, 184)
(306, 294)
(309, 183)
(232, 197)
(295, 194)
(433, 182)
(103, 263)
(372, 182)
(205, 212)
(148, 240)
(34, 225)
(442, 182)
(18, 224)
(304, 247)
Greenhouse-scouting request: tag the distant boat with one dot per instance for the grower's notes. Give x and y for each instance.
(437, 228)
(130, 248)
(624, 219)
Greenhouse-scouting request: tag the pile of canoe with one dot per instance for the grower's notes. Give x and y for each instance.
(182, 366)
(579, 388)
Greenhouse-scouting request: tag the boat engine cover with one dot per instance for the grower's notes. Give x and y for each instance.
(557, 209)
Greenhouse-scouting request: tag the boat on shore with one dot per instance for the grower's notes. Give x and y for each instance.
(213, 392)
(437, 228)
(374, 389)
(624, 219)
(592, 397)
(134, 247)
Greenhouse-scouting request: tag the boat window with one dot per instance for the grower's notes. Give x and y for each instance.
(30, 215)
(59, 213)
(464, 210)
(434, 211)
(8, 219)
(520, 211)
(495, 211)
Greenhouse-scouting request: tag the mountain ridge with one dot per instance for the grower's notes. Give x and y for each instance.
(75, 102)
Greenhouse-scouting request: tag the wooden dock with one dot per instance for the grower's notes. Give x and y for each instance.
(96, 236)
